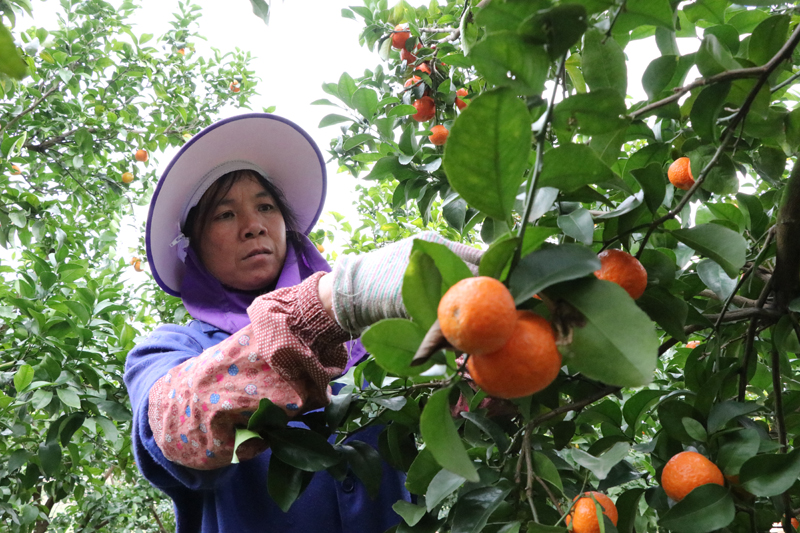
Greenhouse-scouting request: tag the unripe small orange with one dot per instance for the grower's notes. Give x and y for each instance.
(320, 248)
(438, 135)
(127, 177)
(234, 86)
(141, 155)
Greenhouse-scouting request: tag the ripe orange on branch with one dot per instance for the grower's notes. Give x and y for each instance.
(234, 86)
(686, 471)
(525, 365)
(400, 36)
(477, 315)
(141, 155)
(438, 135)
(583, 516)
(127, 177)
(623, 269)
(680, 173)
(426, 109)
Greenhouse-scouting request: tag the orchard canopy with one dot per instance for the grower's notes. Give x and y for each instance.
(549, 160)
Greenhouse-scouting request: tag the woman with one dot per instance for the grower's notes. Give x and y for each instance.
(227, 233)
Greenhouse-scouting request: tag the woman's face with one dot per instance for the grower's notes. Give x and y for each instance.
(243, 243)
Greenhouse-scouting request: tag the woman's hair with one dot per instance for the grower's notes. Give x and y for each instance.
(198, 216)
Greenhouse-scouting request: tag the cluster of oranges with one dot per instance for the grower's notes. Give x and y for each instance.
(425, 106)
(512, 353)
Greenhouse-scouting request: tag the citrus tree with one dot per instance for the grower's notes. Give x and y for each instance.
(77, 136)
(658, 237)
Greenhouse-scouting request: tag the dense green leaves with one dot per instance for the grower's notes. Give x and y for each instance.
(442, 439)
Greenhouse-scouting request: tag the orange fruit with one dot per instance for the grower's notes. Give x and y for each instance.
(141, 155)
(407, 56)
(400, 36)
(460, 104)
(137, 266)
(439, 135)
(525, 365)
(426, 109)
(795, 523)
(693, 344)
(133, 260)
(127, 177)
(680, 174)
(424, 68)
(320, 248)
(412, 80)
(234, 86)
(15, 170)
(477, 315)
(583, 516)
(686, 471)
(624, 270)
(462, 92)
(182, 51)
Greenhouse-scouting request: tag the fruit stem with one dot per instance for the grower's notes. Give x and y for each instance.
(537, 167)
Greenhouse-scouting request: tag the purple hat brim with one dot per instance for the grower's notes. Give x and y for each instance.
(290, 157)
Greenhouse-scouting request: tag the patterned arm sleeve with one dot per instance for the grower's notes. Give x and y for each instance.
(289, 353)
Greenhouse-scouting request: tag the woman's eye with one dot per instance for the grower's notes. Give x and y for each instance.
(223, 216)
(266, 207)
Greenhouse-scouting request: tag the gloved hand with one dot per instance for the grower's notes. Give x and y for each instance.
(369, 287)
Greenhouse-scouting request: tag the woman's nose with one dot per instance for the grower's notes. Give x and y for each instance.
(253, 226)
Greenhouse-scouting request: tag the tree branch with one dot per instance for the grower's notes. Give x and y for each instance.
(787, 258)
(33, 106)
(750, 341)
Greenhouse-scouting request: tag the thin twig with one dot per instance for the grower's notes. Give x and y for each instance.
(750, 341)
(526, 450)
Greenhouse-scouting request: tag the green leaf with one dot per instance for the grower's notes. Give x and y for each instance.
(714, 58)
(261, 9)
(546, 267)
(50, 458)
(402, 110)
(23, 377)
(450, 266)
(715, 278)
(770, 474)
(571, 166)
(330, 120)
(637, 405)
(365, 101)
(366, 464)
(603, 63)
(356, 140)
(658, 75)
(645, 13)
(651, 179)
(667, 310)
(496, 259)
(591, 113)
(694, 429)
(601, 466)
(443, 484)
(629, 353)
(410, 513)
(487, 152)
(422, 289)
(558, 28)
(285, 483)
(346, 89)
(69, 397)
(303, 449)
(736, 449)
(242, 435)
(11, 63)
(546, 470)
(267, 416)
(718, 243)
(473, 509)
(706, 508)
(628, 508)
(577, 224)
(489, 427)
(441, 437)
(505, 59)
(768, 38)
(710, 10)
(422, 472)
(724, 412)
(706, 109)
(393, 343)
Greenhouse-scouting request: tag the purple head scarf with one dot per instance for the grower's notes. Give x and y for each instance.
(206, 299)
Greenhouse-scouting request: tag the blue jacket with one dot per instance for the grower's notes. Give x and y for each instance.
(234, 499)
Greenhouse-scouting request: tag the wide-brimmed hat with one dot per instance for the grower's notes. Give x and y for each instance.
(273, 146)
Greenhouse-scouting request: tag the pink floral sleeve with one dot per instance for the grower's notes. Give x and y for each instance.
(289, 353)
